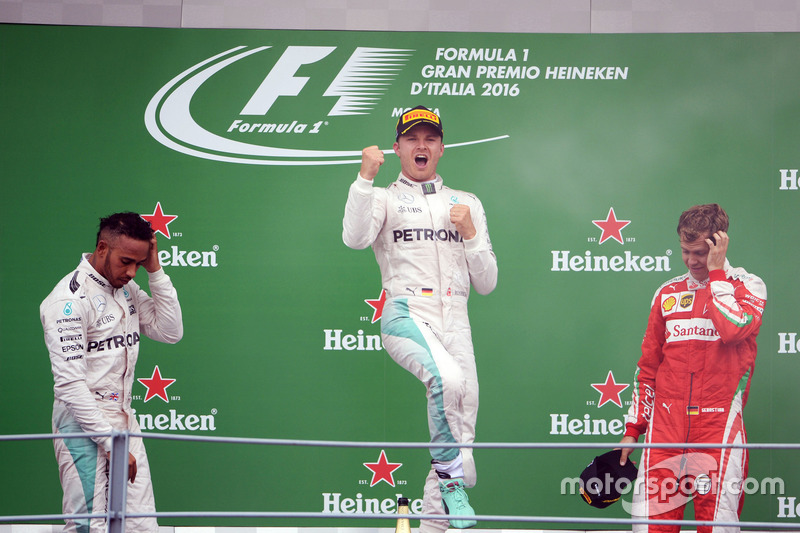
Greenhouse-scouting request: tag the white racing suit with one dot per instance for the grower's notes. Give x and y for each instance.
(426, 269)
(92, 332)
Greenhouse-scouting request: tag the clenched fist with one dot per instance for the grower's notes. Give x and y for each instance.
(459, 215)
(371, 161)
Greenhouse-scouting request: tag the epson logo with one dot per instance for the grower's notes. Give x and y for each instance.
(72, 348)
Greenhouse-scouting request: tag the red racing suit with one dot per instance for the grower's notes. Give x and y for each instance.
(691, 385)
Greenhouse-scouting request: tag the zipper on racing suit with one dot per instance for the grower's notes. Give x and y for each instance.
(688, 422)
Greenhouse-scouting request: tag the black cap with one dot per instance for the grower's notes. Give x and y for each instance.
(604, 480)
(418, 115)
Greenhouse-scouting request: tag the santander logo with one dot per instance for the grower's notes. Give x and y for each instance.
(251, 136)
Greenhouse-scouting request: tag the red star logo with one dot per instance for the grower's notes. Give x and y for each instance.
(382, 470)
(159, 221)
(610, 390)
(612, 228)
(377, 305)
(156, 386)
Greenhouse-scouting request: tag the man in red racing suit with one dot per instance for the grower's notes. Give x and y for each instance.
(692, 381)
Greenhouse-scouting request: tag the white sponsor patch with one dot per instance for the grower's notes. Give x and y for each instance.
(700, 329)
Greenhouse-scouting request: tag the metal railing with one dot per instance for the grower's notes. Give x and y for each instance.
(118, 476)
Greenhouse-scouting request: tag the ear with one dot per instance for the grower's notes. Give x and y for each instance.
(396, 147)
(102, 249)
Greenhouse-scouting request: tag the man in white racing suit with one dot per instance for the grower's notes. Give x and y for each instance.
(92, 324)
(431, 242)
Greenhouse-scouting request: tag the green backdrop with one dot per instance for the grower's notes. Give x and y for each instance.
(250, 139)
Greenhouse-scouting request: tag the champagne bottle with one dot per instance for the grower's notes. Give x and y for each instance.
(403, 524)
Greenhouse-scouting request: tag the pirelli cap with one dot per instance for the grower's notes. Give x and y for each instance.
(418, 115)
(604, 481)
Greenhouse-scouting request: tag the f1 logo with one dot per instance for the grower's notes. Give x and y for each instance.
(281, 81)
(358, 84)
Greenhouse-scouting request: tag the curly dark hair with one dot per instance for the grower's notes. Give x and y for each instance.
(129, 224)
(702, 221)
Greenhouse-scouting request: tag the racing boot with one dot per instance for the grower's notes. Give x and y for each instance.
(456, 502)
